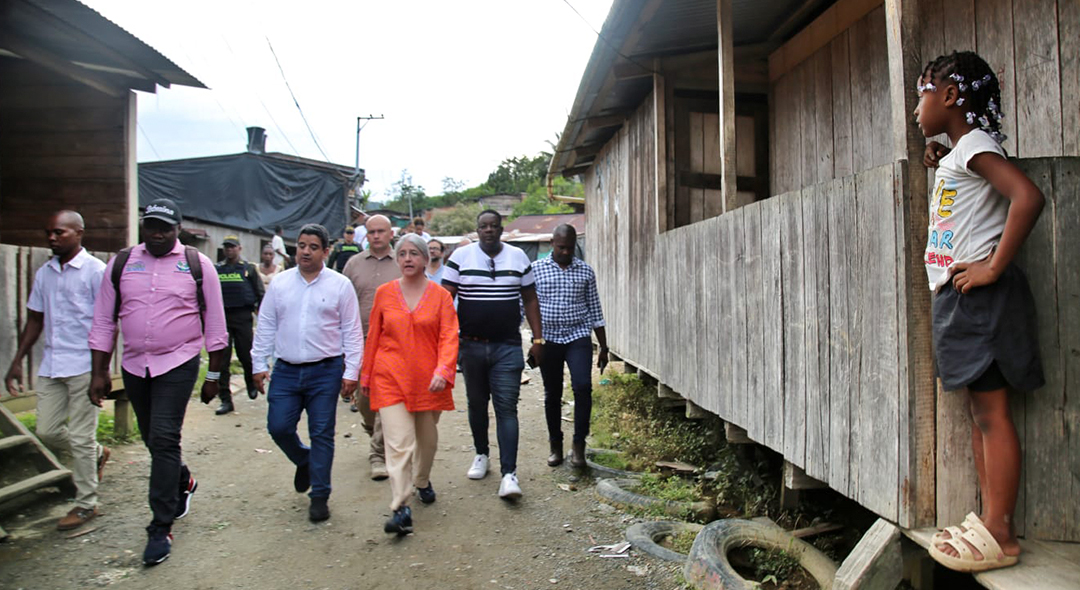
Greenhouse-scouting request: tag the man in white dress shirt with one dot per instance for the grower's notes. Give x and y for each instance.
(309, 319)
(61, 304)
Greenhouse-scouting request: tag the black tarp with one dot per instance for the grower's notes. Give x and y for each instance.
(253, 192)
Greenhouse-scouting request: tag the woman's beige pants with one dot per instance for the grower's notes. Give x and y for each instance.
(411, 440)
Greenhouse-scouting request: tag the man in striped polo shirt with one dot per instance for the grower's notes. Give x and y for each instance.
(491, 280)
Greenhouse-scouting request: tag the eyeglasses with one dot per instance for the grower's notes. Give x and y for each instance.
(491, 267)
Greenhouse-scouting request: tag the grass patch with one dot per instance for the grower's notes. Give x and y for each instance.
(106, 429)
(628, 416)
(680, 542)
(612, 460)
(675, 489)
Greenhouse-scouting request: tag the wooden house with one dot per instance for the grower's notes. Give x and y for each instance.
(757, 214)
(68, 119)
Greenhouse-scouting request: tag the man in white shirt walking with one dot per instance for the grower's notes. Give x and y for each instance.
(309, 319)
(62, 305)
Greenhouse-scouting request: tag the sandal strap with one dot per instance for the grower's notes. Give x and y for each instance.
(961, 547)
(980, 537)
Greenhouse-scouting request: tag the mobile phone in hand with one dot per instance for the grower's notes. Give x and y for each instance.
(531, 361)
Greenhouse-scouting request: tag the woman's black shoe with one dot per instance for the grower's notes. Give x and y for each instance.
(400, 522)
(427, 495)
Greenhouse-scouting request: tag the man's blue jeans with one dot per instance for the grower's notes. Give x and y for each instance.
(312, 387)
(493, 371)
(577, 355)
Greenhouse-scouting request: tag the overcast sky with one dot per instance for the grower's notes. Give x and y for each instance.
(463, 84)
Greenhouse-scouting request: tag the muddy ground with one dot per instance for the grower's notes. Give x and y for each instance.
(249, 529)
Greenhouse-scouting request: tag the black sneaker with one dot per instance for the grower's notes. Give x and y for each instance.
(302, 480)
(183, 503)
(158, 546)
(400, 522)
(427, 495)
(318, 511)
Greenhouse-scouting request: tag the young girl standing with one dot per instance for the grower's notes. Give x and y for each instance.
(984, 331)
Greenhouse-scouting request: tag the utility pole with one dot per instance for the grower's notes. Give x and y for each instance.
(368, 118)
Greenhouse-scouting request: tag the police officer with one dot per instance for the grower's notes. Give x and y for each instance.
(344, 250)
(241, 292)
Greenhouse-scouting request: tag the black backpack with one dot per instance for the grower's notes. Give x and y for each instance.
(192, 256)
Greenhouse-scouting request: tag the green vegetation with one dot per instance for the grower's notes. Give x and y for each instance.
(772, 565)
(612, 460)
(106, 429)
(682, 541)
(628, 416)
(513, 176)
(673, 488)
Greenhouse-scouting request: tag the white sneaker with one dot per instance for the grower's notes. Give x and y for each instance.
(509, 488)
(479, 467)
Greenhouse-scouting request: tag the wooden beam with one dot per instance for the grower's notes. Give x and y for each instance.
(590, 149)
(660, 170)
(726, 62)
(837, 19)
(917, 406)
(32, 52)
(568, 172)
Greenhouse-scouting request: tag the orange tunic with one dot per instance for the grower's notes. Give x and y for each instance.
(405, 349)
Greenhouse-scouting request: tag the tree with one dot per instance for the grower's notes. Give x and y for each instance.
(457, 221)
(403, 193)
(514, 175)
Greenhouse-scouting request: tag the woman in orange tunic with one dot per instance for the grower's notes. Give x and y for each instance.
(408, 373)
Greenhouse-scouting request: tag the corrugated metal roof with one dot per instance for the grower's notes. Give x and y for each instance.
(84, 38)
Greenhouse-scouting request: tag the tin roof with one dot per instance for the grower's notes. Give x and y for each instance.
(71, 37)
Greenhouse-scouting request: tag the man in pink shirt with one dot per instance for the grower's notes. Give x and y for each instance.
(165, 322)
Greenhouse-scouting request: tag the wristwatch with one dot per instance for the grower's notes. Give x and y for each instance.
(540, 341)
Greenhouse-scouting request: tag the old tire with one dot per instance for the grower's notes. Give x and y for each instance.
(708, 565)
(644, 536)
(616, 492)
(599, 470)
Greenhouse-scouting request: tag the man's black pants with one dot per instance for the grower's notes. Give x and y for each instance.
(238, 323)
(160, 404)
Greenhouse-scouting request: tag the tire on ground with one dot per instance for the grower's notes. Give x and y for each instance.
(616, 491)
(644, 536)
(708, 565)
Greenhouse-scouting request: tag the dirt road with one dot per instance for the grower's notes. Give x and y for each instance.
(249, 529)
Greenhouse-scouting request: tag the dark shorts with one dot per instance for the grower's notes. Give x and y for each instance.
(989, 331)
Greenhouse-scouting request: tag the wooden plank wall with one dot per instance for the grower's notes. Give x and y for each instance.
(1034, 47)
(780, 317)
(18, 265)
(831, 113)
(62, 145)
(1047, 420)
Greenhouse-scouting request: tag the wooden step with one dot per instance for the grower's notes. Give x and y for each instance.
(55, 477)
(14, 441)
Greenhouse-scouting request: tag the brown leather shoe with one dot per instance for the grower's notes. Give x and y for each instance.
(77, 517)
(379, 472)
(556, 457)
(577, 455)
(102, 459)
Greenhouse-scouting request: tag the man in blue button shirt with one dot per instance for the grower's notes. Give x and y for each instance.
(569, 311)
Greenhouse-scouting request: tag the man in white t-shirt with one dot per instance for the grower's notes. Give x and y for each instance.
(491, 280)
(278, 244)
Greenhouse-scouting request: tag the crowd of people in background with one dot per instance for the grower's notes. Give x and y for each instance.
(385, 319)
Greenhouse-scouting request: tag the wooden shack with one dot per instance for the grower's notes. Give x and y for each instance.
(67, 139)
(68, 119)
(757, 214)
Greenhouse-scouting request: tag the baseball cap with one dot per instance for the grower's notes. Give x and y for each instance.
(163, 209)
(230, 240)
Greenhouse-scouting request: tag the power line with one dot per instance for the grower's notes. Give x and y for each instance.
(258, 96)
(148, 142)
(609, 43)
(296, 102)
